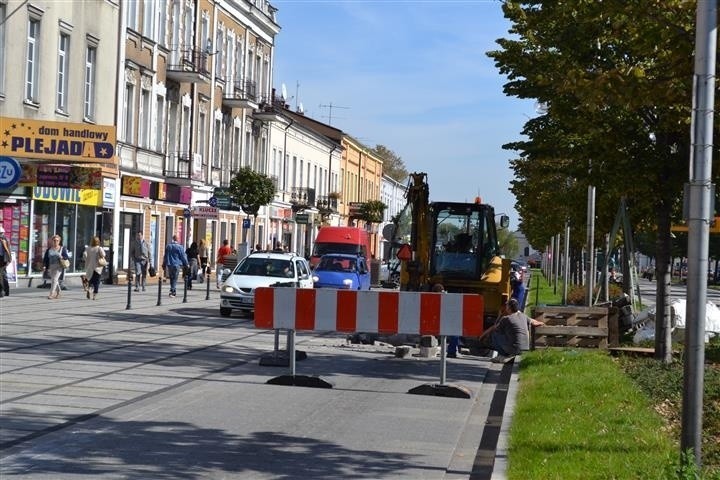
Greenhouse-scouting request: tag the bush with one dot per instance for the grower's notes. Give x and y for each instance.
(576, 293)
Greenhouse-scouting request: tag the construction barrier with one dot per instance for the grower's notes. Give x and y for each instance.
(382, 312)
(369, 311)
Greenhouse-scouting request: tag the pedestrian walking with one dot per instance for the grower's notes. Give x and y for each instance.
(94, 263)
(204, 253)
(140, 253)
(172, 261)
(5, 259)
(223, 252)
(193, 257)
(55, 260)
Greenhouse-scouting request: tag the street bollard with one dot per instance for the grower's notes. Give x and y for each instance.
(207, 280)
(185, 285)
(160, 280)
(129, 291)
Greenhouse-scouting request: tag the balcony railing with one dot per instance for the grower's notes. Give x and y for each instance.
(184, 166)
(241, 94)
(189, 65)
(302, 198)
(327, 204)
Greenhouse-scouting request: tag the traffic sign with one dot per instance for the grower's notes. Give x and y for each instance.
(187, 213)
(212, 201)
(246, 223)
(10, 171)
(222, 197)
(404, 253)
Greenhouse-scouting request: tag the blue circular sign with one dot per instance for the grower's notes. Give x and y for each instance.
(187, 213)
(212, 201)
(10, 172)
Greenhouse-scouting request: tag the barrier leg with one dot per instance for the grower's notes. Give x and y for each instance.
(292, 379)
(443, 359)
(207, 288)
(280, 358)
(442, 389)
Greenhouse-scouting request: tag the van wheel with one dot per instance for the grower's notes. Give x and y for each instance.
(225, 312)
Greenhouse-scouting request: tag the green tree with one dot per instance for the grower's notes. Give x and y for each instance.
(251, 190)
(508, 243)
(615, 81)
(372, 211)
(393, 164)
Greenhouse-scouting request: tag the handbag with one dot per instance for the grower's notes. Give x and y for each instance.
(101, 261)
(151, 271)
(65, 262)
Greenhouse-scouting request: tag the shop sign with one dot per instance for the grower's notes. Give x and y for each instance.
(67, 176)
(108, 200)
(9, 172)
(135, 186)
(302, 218)
(68, 195)
(71, 142)
(205, 212)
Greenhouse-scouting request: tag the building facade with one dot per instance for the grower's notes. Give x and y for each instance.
(57, 120)
(192, 75)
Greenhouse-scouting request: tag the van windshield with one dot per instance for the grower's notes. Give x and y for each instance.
(325, 248)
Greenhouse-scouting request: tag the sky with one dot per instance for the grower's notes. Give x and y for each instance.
(412, 76)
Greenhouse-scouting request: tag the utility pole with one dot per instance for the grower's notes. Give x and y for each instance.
(330, 107)
(700, 213)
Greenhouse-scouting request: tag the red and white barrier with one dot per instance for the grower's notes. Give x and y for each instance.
(384, 312)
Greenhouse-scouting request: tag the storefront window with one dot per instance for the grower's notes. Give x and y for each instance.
(43, 224)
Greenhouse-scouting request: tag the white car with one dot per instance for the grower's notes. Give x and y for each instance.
(261, 269)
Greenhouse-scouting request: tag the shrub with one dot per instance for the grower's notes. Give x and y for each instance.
(576, 293)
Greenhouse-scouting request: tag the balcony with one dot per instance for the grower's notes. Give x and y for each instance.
(184, 168)
(302, 198)
(327, 203)
(189, 65)
(241, 94)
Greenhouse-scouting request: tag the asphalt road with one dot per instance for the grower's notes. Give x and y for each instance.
(92, 389)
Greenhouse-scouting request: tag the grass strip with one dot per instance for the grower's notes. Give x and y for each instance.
(578, 416)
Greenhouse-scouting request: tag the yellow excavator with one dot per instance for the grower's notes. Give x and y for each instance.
(453, 244)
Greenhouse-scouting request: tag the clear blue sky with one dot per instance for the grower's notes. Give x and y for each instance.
(414, 76)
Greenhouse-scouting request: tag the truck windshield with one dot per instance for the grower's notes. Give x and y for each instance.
(325, 248)
(460, 237)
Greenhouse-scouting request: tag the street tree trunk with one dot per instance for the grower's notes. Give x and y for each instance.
(663, 340)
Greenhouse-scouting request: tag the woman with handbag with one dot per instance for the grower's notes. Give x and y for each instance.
(94, 263)
(55, 260)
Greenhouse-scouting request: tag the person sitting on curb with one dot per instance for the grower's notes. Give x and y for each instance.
(511, 333)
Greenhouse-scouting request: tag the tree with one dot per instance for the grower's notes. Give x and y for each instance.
(393, 165)
(508, 243)
(251, 190)
(372, 211)
(616, 80)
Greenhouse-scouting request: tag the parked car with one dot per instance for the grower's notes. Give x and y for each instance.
(261, 269)
(336, 270)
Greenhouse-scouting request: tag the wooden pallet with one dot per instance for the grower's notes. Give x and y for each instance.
(585, 327)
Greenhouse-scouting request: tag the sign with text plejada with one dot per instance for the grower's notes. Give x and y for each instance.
(57, 141)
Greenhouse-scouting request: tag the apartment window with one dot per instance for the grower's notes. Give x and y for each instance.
(160, 123)
(239, 61)
(144, 131)
(185, 139)
(3, 11)
(149, 19)
(234, 159)
(217, 144)
(188, 25)
(162, 22)
(202, 134)
(32, 65)
(129, 108)
(132, 14)
(90, 59)
(63, 71)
